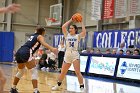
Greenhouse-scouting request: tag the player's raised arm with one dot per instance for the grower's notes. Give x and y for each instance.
(83, 33)
(64, 27)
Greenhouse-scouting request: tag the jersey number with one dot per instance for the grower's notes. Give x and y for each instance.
(71, 44)
(30, 39)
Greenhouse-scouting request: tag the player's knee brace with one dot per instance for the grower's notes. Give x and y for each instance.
(20, 73)
(34, 73)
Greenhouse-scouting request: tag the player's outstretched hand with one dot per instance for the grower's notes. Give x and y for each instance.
(13, 8)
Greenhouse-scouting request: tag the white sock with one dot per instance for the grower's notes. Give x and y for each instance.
(14, 86)
(35, 89)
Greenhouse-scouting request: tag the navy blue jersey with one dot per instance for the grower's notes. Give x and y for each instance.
(33, 43)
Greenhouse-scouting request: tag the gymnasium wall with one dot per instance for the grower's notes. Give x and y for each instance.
(33, 12)
(83, 7)
(24, 22)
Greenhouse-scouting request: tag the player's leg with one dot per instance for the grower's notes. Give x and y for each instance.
(76, 65)
(62, 75)
(2, 81)
(32, 66)
(21, 70)
(64, 71)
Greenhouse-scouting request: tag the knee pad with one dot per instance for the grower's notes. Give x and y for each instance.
(34, 73)
(20, 73)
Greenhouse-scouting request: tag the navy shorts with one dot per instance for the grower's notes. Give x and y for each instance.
(22, 55)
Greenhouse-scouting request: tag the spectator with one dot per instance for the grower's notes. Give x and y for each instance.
(84, 51)
(122, 47)
(61, 49)
(51, 60)
(42, 62)
(14, 52)
(136, 52)
(88, 50)
(92, 50)
(121, 52)
(128, 52)
(98, 51)
(39, 53)
(114, 51)
(108, 51)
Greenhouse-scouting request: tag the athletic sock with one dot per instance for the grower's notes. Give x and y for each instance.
(35, 90)
(14, 86)
(82, 86)
(59, 83)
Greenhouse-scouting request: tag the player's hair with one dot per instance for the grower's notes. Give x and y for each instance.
(76, 29)
(40, 30)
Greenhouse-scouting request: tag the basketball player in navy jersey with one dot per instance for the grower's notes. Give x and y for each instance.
(71, 55)
(11, 8)
(24, 58)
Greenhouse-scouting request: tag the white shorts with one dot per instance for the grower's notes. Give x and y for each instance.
(71, 56)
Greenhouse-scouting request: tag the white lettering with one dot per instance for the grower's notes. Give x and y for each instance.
(97, 39)
(131, 34)
(109, 40)
(115, 40)
(104, 40)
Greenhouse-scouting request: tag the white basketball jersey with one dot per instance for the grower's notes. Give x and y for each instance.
(72, 42)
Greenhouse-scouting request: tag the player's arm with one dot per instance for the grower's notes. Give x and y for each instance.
(3, 10)
(10, 8)
(64, 27)
(83, 33)
(42, 41)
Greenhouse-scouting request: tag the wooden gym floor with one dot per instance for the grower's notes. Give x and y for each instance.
(70, 85)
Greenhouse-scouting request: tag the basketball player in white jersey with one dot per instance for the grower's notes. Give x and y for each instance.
(11, 8)
(71, 55)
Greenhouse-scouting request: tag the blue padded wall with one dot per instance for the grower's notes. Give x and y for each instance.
(6, 46)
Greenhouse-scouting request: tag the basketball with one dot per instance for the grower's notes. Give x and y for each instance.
(77, 17)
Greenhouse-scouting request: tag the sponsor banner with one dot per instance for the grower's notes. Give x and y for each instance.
(113, 38)
(102, 65)
(108, 11)
(129, 68)
(83, 62)
(72, 84)
(120, 8)
(96, 86)
(96, 10)
(121, 88)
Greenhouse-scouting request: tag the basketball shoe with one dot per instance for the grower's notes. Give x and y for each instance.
(36, 92)
(55, 88)
(13, 90)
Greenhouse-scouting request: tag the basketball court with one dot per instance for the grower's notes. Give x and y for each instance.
(70, 84)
